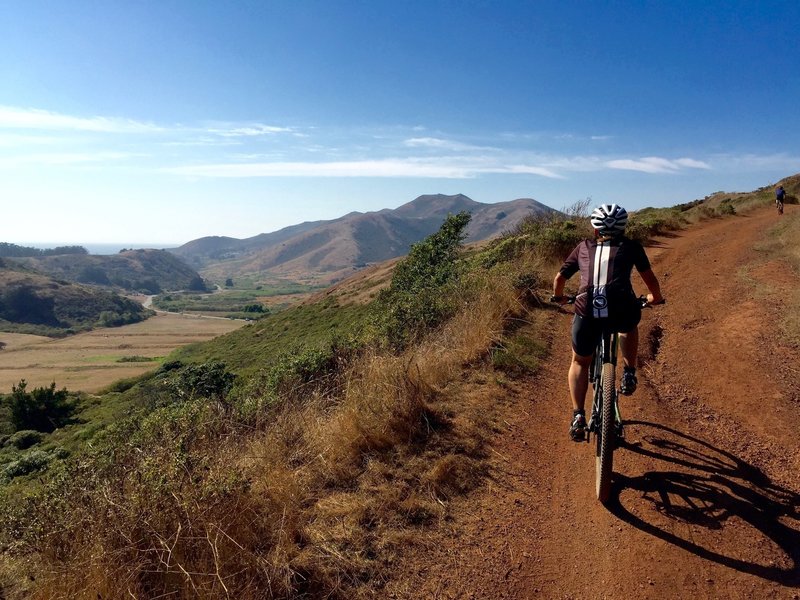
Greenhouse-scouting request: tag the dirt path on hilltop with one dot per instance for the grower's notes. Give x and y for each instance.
(706, 491)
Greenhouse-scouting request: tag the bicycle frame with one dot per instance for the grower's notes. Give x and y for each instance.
(605, 352)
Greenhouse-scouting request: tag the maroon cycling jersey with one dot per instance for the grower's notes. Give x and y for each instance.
(605, 268)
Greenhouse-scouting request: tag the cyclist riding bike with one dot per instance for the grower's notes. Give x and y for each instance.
(605, 297)
(780, 195)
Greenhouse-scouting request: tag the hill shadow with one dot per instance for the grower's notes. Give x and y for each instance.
(704, 486)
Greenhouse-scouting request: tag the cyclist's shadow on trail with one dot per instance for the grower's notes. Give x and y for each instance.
(704, 486)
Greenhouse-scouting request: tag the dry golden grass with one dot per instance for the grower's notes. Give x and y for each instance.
(88, 361)
(315, 498)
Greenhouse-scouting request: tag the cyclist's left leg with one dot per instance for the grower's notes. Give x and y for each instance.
(629, 347)
(628, 325)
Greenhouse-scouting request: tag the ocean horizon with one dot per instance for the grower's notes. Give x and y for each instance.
(101, 249)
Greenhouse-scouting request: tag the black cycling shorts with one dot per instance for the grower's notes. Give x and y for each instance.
(587, 330)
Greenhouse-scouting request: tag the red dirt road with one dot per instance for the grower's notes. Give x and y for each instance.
(706, 495)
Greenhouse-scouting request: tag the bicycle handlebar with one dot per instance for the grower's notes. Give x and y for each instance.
(570, 299)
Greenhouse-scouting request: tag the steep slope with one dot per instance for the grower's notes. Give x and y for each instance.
(328, 250)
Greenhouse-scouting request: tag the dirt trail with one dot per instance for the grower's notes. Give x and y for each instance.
(707, 497)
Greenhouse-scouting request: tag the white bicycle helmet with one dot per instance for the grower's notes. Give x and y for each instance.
(609, 219)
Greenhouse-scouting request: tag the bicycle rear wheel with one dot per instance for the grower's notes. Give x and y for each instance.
(605, 436)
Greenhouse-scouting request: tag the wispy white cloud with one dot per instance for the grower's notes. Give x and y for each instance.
(655, 164)
(526, 170)
(442, 144)
(31, 118)
(204, 142)
(578, 163)
(692, 163)
(411, 167)
(250, 130)
(269, 150)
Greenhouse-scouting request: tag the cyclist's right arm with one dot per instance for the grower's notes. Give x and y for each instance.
(651, 281)
(558, 288)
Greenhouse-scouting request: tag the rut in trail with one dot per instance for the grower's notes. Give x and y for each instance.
(706, 494)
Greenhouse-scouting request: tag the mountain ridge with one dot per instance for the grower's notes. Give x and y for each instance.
(326, 251)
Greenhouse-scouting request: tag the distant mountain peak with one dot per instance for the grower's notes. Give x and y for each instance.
(327, 250)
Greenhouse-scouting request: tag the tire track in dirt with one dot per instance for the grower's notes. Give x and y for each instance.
(707, 502)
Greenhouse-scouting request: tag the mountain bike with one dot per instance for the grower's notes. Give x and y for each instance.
(605, 421)
(779, 206)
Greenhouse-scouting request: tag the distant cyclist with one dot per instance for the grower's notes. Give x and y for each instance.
(605, 296)
(780, 195)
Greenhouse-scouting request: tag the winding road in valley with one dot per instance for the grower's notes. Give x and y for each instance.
(706, 495)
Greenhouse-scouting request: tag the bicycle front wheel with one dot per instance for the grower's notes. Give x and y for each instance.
(605, 436)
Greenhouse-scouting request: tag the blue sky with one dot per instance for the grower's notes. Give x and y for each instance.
(161, 122)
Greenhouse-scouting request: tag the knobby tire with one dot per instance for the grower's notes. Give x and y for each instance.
(605, 436)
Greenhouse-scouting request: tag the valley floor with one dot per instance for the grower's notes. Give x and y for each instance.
(90, 361)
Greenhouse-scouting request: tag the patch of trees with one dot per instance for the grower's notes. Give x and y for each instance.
(43, 409)
(197, 284)
(254, 308)
(93, 274)
(15, 251)
(23, 305)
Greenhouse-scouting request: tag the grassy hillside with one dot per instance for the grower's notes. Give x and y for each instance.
(34, 303)
(300, 456)
(146, 271)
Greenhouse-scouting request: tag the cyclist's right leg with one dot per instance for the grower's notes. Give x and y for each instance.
(584, 336)
(585, 332)
(579, 380)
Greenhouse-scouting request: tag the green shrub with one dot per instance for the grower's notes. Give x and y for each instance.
(645, 224)
(135, 358)
(208, 380)
(22, 440)
(420, 296)
(726, 208)
(28, 463)
(315, 368)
